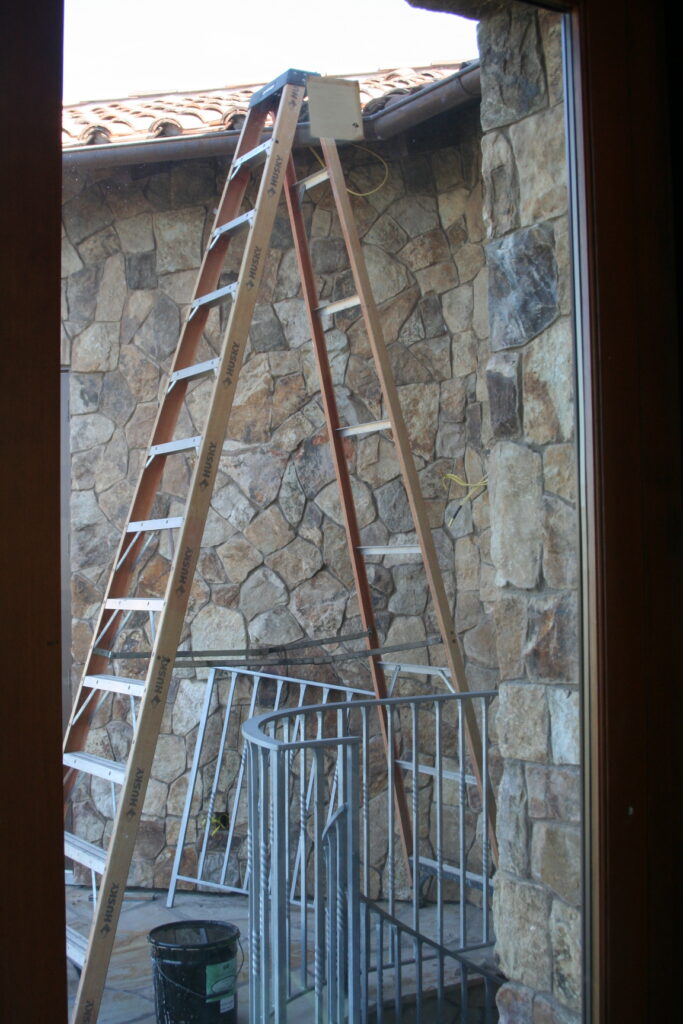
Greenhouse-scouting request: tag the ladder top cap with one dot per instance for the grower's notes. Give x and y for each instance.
(291, 77)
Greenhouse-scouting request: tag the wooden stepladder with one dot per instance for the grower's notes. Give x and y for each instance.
(282, 99)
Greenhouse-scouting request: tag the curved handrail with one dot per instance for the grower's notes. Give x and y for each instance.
(252, 728)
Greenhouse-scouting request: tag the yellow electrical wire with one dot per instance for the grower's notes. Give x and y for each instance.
(471, 488)
(363, 149)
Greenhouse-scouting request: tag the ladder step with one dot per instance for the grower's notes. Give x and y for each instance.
(85, 853)
(450, 871)
(197, 370)
(186, 444)
(135, 604)
(330, 308)
(364, 428)
(116, 684)
(231, 226)
(113, 771)
(313, 179)
(144, 525)
(253, 158)
(390, 549)
(76, 946)
(213, 298)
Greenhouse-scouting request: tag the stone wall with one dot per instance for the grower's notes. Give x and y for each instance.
(274, 566)
(534, 531)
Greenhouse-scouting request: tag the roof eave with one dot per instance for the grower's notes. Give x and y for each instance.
(458, 90)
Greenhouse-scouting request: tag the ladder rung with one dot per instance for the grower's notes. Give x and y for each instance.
(450, 871)
(113, 771)
(330, 308)
(364, 428)
(313, 179)
(428, 770)
(231, 226)
(252, 158)
(144, 525)
(170, 447)
(390, 549)
(116, 684)
(197, 370)
(135, 604)
(213, 298)
(85, 853)
(76, 946)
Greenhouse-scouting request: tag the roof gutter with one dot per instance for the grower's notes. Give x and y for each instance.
(458, 90)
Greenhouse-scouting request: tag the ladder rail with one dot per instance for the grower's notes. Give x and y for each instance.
(407, 465)
(171, 619)
(168, 413)
(338, 452)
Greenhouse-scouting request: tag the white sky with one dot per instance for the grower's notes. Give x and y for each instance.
(116, 48)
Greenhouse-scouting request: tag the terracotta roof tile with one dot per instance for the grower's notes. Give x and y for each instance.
(140, 118)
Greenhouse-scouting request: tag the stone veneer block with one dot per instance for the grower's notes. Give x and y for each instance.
(501, 197)
(512, 823)
(538, 144)
(560, 544)
(512, 67)
(556, 859)
(523, 722)
(510, 612)
(565, 734)
(552, 647)
(548, 385)
(514, 1004)
(523, 285)
(521, 912)
(178, 235)
(565, 938)
(516, 519)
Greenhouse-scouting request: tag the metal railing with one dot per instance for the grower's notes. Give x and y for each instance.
(221, 861)
(350, 920)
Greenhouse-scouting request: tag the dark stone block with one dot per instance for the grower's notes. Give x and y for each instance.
(473, 420)
(328, 255)
(266, 331)
(512, 67)
(417, 174)
(432, 318)
(523, 287)
(393, 508)
(502, 381)
(85, 214)
(141, 271)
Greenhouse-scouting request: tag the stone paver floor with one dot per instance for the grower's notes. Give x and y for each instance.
(129, 994)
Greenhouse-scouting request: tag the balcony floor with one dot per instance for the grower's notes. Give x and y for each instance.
(129, 993)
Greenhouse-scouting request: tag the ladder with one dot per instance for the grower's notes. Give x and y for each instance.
(282, 99)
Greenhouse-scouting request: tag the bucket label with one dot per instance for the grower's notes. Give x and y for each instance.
(220, 982)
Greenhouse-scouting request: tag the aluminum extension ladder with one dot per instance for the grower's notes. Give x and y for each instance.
(282, 99)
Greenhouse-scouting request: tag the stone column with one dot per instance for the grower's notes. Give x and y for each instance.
(534, 540)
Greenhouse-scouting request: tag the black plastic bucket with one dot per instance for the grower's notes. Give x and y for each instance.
(194, 965)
